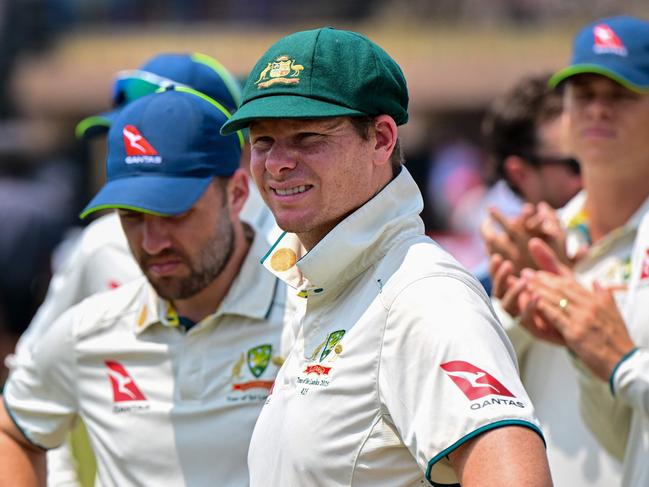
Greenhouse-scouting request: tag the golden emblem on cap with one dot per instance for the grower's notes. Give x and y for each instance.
(277, 360)
(338, 349)
(283, 259)
(282, 70)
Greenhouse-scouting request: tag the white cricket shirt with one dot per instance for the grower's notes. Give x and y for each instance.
(586, 429)
(399, 358)
(162, 406)
(630, 380)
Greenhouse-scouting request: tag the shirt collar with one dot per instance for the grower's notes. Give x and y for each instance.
(354, 244)
(251, 294)
(575, 218)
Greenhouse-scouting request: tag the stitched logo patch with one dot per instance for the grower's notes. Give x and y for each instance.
(283, 70)
(473, 381)
(124, 388)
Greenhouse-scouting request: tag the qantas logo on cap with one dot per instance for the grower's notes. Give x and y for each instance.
(607, 41)
(138, 149)
(124, 388)
(473, 381)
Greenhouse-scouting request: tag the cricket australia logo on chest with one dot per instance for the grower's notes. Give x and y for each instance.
(249, 379)
(316, 372)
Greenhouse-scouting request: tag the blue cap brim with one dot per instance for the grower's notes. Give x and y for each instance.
(592, 68)
(157, 195)
(95, 125)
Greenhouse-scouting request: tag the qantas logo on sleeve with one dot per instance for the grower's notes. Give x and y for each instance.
(138, 149)
(473, 381)
(124, 388)
(607, 41)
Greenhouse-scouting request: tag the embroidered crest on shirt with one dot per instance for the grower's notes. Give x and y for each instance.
(319, 373)
(332, 341)
(257, 358)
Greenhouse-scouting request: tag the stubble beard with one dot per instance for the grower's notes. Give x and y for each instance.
(209, 264)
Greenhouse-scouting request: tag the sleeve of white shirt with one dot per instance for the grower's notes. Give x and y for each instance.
(41, 393)
(520, 338)
(631, 381)
(448, 372)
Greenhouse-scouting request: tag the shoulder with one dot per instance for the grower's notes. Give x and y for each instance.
(421, 264)
(105, 309)
(103, 232)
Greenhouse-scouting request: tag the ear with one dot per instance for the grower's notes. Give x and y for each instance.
(237, 191)
(385, 138)
(516, 171)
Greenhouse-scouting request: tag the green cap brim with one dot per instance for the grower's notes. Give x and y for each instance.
(285, 106)
(576, 69)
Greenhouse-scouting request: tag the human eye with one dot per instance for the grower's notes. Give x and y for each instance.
(582, 93)
(129, 215)
(623, 94)
(308, 138)
(261, 143)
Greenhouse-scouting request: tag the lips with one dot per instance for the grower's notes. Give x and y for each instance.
(164, 268)
(292, 190)
(599, 132)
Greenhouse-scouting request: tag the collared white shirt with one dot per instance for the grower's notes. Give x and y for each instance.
(576, 410)
(162, 406)
(398, 359)
(608, 262)
(630, 380)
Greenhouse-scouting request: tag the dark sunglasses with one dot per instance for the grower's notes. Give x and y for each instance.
(133, 84)
(570, 162)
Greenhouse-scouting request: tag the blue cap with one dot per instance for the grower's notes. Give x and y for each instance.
(198, 71)
(616, 47)
(163, 151)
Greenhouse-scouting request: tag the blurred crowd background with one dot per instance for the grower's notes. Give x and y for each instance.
(58, 59)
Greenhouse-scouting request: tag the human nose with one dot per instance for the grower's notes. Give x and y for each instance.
(155, 234)
(280, 158)
(600, 108)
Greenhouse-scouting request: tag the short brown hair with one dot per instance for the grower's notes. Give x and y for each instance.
(362, 126)
(510, 127)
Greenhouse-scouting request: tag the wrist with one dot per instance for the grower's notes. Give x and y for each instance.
(622, 359)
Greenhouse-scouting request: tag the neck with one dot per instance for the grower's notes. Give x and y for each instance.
(207, 301)
(612, 199)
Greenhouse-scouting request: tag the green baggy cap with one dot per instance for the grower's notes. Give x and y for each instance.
(322, 73)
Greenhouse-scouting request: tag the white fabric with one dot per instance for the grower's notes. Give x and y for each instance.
(200, 391)
(631, 379)
(362, 399)
(100, 260)
(568, 399)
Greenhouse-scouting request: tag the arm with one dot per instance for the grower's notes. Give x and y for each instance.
(463, 389)
(503, 456)
(21, 463)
